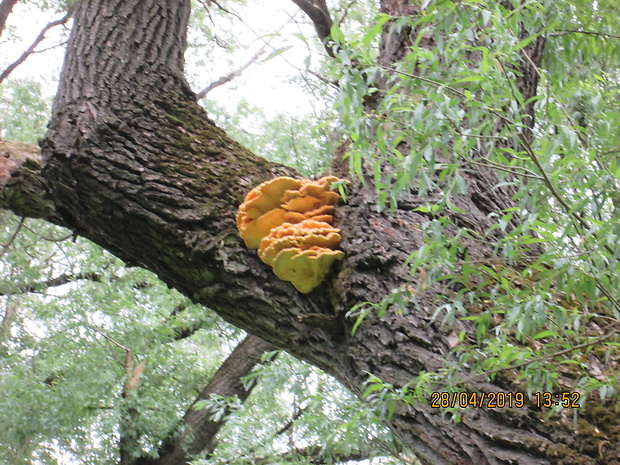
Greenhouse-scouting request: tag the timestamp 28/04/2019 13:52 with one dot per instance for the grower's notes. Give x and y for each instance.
(443, 399)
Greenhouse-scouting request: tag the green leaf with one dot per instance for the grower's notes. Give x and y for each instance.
(547, 333)
(276, 53)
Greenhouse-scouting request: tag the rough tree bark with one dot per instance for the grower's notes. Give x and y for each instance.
(5, 9)
(131, 162)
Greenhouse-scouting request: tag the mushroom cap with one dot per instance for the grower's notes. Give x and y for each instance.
(301, 204)
(304, 235)
(305, 269)
(320, 189)
(313, 193)
(324, 218)
(327, 181)
(257, 229)
(273, 189)
(258, 202)
(322, 210)
(306, 226)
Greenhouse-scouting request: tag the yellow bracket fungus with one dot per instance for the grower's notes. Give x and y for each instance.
(263, 199)
(305, 269)
(304, 235)
(289, 222)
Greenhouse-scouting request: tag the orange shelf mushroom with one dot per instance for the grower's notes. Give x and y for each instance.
(260, 211)
(289, 222)
(304, 235)
(305, 269)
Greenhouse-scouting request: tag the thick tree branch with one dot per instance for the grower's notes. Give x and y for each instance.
(22, 183)
(5, 10)
(314, 455)
(197, 431)
(129, 435)
(318, 13)
(13, 155)
(9, 313)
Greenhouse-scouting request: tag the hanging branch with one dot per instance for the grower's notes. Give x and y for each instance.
(61, 280)
(5, 247)
(197, 431)
(32, 47)
(232, 75)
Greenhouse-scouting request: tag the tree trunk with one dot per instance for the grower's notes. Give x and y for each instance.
(5, 9)
(132, 162)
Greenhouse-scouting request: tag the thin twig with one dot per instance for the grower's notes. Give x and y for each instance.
(51, 47)
(118, 344)
(346, 12)
(332, 82)
(609, 152)
(49, 238)
(236, 73)
(5, 247)
(553, 355)
(232, 75)
(504, 168)
(289, 424)
(40, 287)
(579, 31)
(423, 79)
(32, 47)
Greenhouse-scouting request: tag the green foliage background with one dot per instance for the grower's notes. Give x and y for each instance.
(456, 107)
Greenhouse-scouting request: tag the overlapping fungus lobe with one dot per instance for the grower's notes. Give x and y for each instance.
(289, 221)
